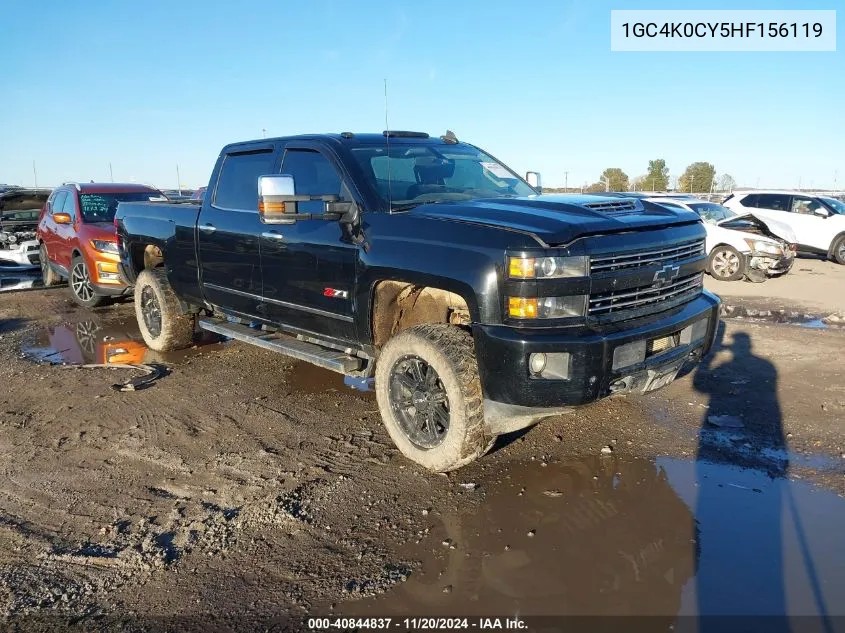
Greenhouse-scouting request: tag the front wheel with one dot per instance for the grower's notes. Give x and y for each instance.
(429, 396)
(839, 250)
(80, 285)
(162, 323)
(726, 263)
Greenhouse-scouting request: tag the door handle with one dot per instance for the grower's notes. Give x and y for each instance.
(208, 228)
(273, 235)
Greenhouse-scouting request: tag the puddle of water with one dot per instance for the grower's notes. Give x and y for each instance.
(107, 342)
(611, 536)
(11, 279)
(789, 317)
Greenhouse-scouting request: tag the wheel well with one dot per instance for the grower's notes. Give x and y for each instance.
(398, 305)
(833, 242)
(146, 256)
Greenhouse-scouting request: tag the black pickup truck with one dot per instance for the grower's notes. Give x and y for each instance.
(426, 269)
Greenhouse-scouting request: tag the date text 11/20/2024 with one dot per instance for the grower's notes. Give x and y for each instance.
(416, 624)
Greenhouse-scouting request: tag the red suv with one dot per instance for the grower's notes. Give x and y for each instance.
(77, 238)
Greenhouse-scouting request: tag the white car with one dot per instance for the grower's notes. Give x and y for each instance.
(19, 209)
(740, 245)
(818, 221)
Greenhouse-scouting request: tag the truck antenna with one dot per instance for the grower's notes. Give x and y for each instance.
(387, 140)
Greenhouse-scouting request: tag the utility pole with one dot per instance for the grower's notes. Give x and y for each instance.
(835, 174)
(111, 173)
(566, 181)
(178, 180)
(263, 132)
(691, 180)
(35, 173)
(799, 183)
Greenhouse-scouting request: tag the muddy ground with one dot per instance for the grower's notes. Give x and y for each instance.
(244, 486)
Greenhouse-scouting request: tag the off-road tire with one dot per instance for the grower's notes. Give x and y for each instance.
(95, 299)
(450, 351)
(177, 328)
(838, 250)
(739, 273)
(48, 276)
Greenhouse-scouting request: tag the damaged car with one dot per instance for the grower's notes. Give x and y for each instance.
(19, 209)
(741, 245)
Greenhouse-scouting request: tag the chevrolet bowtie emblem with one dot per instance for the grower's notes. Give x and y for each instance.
(666, 274)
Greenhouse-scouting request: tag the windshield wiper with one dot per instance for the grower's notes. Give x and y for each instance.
(410, 205)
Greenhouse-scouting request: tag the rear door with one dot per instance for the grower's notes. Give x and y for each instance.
(48, 233)
(66, 233)
(229, 234)
(309, 266)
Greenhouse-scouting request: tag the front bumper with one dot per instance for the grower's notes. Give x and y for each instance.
(23, 255)
(772, 265)
(503, 352)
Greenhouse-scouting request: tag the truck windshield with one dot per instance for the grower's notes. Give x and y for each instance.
(414, 174)
(101, 207)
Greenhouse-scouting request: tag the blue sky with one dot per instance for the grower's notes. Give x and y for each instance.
(147, 86)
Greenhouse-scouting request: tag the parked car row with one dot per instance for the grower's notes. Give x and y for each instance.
(817, 221)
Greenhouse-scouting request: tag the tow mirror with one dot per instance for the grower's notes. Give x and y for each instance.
(279, 204)
(62, 218)
(277, 199)
(533, 178)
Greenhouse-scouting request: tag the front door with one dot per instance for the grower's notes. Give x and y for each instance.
(309, 266)
(229, 235)
(810, 228)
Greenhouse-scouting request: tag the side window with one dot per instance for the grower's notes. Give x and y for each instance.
(237, 184)
(58, 201)
(313, 175)
(69, 205)
(773, 201)
(750, 200)
(805, 205)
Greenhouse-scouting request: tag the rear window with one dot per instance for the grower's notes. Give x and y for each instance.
(773, 201)
(237, 184)
(750, 200)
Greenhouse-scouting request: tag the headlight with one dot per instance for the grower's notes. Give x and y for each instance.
(547, 307)
(547, 267)
(104, 246)
(761, 246)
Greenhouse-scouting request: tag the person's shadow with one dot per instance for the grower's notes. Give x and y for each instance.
(740, 527)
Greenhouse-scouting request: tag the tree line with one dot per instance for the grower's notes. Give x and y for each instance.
(699, 177)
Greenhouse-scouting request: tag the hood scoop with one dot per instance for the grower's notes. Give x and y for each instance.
(615, 207)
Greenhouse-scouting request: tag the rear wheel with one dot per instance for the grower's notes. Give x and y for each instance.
(726, 263)
(839, 250)
(429, 395)
(162, 323)
(49, 276)
(80, 285)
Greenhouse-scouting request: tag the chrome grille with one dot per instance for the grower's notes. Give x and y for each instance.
(615, 206)
(642, 296)
(638, 259)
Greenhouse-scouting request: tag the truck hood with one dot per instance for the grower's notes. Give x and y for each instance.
(559, 219)
(773, 227)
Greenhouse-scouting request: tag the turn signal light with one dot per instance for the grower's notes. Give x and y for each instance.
(522, 308)
(522, 267)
